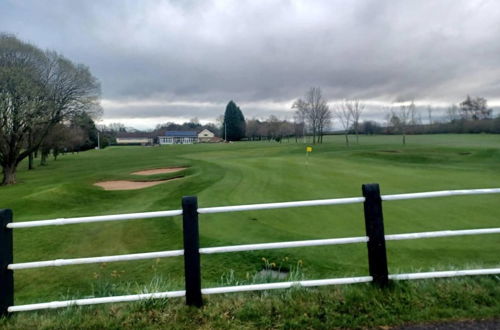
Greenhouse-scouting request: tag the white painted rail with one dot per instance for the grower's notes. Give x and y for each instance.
(249, 207)
(248, 247)
(99, 218)
(287, 285)
(442, 193)
(442, 233)
(447, 273)
(251, 287)
(94, 260)
(172, 294)
(270, 206)
(175, 253)
(95, 301)
(349, 200)
(283, 245)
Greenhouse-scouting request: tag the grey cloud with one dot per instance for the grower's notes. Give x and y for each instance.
(213, 51)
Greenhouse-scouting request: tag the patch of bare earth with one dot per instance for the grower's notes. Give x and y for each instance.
(129, 185)
(160, 171)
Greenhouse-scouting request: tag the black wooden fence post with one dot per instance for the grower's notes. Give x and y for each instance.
(374, 224)
(192, 272)
(6, 258)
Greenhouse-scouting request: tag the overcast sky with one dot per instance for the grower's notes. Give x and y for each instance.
(174, 60)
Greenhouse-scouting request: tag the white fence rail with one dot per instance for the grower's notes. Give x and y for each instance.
(375, 239)
(100, 218)
(248, 247)
(251, 287)
(250, 207)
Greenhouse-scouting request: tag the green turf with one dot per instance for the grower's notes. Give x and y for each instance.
(255, 172)
(357, 306)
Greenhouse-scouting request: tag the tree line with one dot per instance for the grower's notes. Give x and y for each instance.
(312, 116)
(42, 94)
(470, 116)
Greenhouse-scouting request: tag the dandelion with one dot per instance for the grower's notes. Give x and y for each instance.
(273, 264)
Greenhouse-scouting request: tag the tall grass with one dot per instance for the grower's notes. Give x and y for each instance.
(352, 306)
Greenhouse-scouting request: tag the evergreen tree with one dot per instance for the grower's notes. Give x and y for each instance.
(233, 127)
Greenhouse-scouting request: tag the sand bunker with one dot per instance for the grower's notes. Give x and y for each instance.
(129, 185)
(160, 171)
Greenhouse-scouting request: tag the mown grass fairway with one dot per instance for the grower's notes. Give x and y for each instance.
(254, 172)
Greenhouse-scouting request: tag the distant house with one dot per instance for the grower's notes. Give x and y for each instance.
(178, 137)
(205, 136)
(133, 138)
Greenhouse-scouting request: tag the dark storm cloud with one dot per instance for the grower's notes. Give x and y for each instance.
(264, 52)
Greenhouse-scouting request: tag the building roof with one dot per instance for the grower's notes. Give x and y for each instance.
(181, 133)
(206, 131)
(128, 135)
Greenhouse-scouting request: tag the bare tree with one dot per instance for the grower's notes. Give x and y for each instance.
(263, 130)
(274, 127)
(57, 139)
(405, 116)
(453, 113)
(287, 129)
(302, 110)
(37, 90)
(299, 120)
(324, 120)
(475, 108)
(118, 127)
(344, 115)
(315, 111)
(355, 108)
(252, 126)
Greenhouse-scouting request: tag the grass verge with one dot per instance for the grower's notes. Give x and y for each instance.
(352, 306)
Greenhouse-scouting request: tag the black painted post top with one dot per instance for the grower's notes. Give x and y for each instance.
(192, 267)
(374, 225)
(6, 258)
